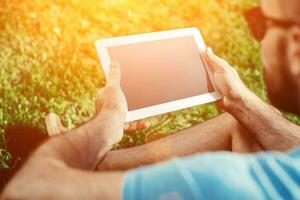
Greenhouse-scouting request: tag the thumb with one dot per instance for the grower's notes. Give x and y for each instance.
(215, 63)
(54, 125)
(100, 100)
(114, 99)
(114, 76)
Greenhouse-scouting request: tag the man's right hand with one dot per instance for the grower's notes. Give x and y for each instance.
(109, 99)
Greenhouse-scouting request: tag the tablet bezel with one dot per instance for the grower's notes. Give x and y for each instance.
(103, 44)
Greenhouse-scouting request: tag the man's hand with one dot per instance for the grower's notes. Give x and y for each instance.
(226, 80)
(58, 168)
(101, 132)
(109, 100)
(111, 109)
(264, 122)
(231, 86)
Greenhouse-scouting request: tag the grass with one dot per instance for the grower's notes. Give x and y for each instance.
(48, 62)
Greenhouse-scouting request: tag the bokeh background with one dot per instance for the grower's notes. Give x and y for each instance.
(48, 61)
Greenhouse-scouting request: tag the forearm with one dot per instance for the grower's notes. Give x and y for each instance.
(55, 168)
(265, 124)
(212, 135)
(83, 147)
(50, 179)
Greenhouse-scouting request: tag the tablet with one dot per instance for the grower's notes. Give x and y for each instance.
(161, 71)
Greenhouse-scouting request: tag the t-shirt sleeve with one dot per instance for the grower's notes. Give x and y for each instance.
(217, 176)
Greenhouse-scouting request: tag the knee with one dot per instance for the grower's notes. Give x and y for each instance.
(229, 122)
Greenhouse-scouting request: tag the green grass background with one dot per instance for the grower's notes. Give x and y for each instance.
(48, 62)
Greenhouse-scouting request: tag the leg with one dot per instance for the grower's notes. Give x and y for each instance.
(242, 141)
(222, 133)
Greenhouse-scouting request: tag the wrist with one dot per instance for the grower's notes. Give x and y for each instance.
(107, 127)
(249, 106)
(237, 103)
(245, 104)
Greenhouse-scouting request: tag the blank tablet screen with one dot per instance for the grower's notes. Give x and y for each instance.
(161, 71)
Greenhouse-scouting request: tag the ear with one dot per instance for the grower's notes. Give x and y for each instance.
(294, 51)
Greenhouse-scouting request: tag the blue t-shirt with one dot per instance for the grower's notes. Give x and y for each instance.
(218, 176)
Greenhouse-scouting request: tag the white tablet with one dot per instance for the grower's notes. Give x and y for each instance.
(161, 71)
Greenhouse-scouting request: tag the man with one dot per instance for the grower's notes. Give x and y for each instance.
(59, 169)
(255, 126)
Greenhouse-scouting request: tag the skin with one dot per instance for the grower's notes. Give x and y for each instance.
(63, 164)
(281, 9)
(281, 55)
(228, 135)
(262, 124)
(249, 126)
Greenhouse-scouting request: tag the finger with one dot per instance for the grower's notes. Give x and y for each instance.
(54, 125)
(114, 99)
(214, 62)
(99, 100)
(143, 125)
(134, 126)
(114, 76)
(60, 126)
(224, 104)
